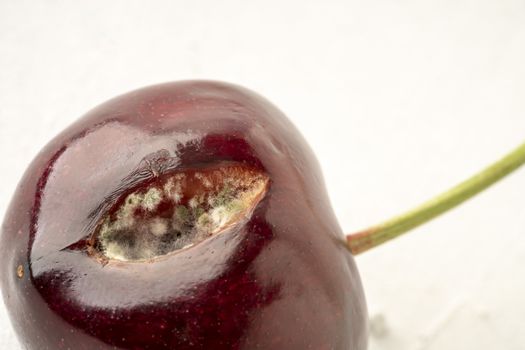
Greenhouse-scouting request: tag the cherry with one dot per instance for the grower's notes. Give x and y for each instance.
(187, 215)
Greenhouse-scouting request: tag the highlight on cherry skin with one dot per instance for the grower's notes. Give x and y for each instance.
(188, 215)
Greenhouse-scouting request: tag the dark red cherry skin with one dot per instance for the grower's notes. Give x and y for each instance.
(281, 279)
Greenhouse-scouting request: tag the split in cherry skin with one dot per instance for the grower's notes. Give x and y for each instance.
(188, 215)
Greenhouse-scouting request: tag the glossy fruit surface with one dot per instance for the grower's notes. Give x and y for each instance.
(187, 215)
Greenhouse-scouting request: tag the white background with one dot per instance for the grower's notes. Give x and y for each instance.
(399, 100)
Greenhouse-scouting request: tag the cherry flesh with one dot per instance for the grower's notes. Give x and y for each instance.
(187, 215)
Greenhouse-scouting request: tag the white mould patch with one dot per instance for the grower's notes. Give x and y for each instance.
(151, 199)
(158, 227)
(178, 212)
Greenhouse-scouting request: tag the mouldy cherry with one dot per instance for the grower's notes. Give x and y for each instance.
(187, 215)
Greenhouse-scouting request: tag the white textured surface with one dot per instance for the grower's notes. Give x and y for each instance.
(399, 99)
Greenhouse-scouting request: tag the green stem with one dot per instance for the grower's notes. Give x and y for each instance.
(379, 234)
